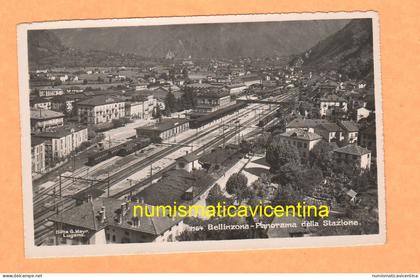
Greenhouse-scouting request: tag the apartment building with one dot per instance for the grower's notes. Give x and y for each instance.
(100, 109)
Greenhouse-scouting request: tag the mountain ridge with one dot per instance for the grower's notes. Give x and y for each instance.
(349, 51)
(224, 40)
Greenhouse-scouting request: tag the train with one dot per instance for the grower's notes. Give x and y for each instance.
(264, 121)
(123, 149)
(206, 119)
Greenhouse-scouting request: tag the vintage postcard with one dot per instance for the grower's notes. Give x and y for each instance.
(207, 133)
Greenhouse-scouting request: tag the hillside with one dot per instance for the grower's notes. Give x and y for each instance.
(204, 40)
(45, 49)
(348, 51)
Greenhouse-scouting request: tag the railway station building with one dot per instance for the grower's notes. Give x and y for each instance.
(163, 130)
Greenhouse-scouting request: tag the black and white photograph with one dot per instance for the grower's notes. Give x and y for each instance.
(206, 133)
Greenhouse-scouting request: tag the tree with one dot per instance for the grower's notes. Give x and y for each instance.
(237, 185)
(311, 177)
(279, 154)
(117, 123)
(304, 108)
(157, 113)
(260, 187)
(216, 196)
(290, 174)
(287, 195)
(170, 102)
(187, 99)
(321, 156)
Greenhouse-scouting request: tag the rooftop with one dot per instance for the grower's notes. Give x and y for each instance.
(332, 98)
(217, 156)
(213, 93)
(189, 157)
(301, 134)
(164, 124)
(50, 89)
(353, 149)
(35, 141)
(329, 127)
(88, 216)
(349, 126)
(305, 123)
(172, 186)
(44, 114)
(59, 132)
(100, 100)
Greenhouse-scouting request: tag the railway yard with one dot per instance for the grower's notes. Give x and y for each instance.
(136, 164)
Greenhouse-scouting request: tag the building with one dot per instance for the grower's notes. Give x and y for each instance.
(64, 103)
(331, 132)
(187, 162)
(350, 131)
(37, 155)
(367, 138)
(61, 142)
(208, 101)
(107, 220)
(43, 120)
(134, 110)
(236, 89)
(331, 101)
(164, 129)
(89, 218)
(50, 92)
(100, 109)
(304, 141)
(251, 79)
(148, 102)
(353, 155)
(362, 113)
(41, 103)
(304, 124)
(219, 158)
(141, 86)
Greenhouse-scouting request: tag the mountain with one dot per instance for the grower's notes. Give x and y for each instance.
(221, 40)
(348, 51)
(45, 49)
(43, 44)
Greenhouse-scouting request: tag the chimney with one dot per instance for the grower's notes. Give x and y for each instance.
(123, 208)
(103, 214)
(90, 198)
(120, 218)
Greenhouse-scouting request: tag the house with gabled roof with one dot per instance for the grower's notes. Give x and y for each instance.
(304, 124)
(303, 140)
(350, 131)
(188, 162)
(331, 132)
(330, 102)
(353, 155)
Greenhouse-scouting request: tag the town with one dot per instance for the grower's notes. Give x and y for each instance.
(199, 131)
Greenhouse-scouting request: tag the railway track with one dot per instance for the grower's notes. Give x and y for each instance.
(42, 214)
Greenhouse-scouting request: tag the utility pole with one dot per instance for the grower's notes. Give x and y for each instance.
(107, 181)
(223, 134)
